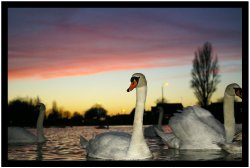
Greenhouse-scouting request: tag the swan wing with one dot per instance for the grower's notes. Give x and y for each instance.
(84, 142)
(150, 131)
(232, 148)
(109, 145)
(206, 117)
(193, 132)
(170, 139)
(20, 135)
(235, 147)
(238, 137)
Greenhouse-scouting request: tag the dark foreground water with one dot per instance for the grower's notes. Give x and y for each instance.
(64, 144)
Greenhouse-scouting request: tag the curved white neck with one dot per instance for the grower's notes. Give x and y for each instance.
(229, 120)
(39, 126)
(137, 139)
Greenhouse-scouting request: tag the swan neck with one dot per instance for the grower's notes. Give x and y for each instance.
(160, 118)
(229, 120)
(39, 125)
(137, 139)
(141, 94)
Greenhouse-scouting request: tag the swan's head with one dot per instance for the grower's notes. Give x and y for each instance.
(137, 80)
(40, 107)
(234, 90)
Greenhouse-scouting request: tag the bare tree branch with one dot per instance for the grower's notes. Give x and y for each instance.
(205, 75)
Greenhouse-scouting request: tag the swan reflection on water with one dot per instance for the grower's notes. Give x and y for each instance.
(63, 144)
(185, 155)
(26, 151)
(39, 151)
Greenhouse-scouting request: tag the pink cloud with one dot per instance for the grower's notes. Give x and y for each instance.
(231, 69)
(59, 60)
(64, 48)
(80, 66)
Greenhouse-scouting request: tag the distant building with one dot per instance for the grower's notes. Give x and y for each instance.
(169, 109)
(217, 110)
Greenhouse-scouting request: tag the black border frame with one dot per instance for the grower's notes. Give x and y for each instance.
(122, 4)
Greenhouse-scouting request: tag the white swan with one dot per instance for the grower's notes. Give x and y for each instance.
(19, 135)
(197, 128)
(235, 147)
(150, 130)
(121, 145)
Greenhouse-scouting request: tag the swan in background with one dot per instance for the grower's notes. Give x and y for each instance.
(150, 131)
(235, 147)
(121, 145)
(197, 128)
(19, 135)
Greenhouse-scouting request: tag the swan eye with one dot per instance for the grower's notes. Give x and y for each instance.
(134, 78)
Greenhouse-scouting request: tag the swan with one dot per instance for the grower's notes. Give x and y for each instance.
(19, 135)
(150, 131)
(121, 145)
(197, 128)
(235, 147)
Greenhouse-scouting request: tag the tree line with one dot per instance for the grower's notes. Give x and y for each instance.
(21, 112)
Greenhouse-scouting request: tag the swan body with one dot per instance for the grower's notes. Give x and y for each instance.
(19, 135)
(120, 145)
(197, 128)
(113, 145)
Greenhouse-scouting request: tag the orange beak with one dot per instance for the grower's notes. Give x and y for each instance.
(132, 86)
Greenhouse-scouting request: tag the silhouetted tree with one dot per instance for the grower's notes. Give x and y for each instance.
(65, 120)
(205, 74)
(95, 112)
(66, 114)
(21, 112)
(55, 116)
(96, 115)
(76, 119)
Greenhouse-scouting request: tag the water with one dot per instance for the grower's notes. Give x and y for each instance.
(64, 145)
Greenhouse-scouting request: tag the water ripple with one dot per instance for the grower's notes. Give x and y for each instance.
(64, 144)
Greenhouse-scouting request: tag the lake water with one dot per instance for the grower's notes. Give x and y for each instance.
(63, 145)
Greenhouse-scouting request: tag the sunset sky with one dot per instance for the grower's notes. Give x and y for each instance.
(82, 56)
